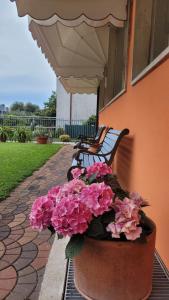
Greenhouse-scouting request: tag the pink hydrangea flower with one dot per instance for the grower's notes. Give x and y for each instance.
(126, 209)
(139, 201)
(127, 219)
(115, 229)
(74, 186)
(41, 213)
(101, 169)
(131, 230)
(71, 216)
(77, 172)
(53, 193)
(97, 197)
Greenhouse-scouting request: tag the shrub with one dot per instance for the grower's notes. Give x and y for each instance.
(3, 134)
(59, 131)
(64, 138)
(22, 135)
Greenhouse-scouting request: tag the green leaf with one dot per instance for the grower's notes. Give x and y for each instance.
(108, 217)
(95, 228)
(74, 246)
(92, 178)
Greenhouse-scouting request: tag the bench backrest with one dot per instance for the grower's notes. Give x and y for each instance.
(110, 143)
(99, 133)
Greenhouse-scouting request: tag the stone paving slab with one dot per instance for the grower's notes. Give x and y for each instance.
(24, 252)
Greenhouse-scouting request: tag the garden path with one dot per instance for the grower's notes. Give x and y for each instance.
(23, 251)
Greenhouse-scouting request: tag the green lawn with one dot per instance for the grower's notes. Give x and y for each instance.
(18, 161)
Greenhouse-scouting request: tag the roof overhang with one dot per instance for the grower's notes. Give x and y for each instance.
(74, 37)
(80, 51)
(74, 12)
(80, 85)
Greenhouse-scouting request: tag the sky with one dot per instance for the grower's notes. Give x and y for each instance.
(25, 74)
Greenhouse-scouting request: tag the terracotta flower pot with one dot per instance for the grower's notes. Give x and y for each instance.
(42, 139)
(112, 270)
(3, 137)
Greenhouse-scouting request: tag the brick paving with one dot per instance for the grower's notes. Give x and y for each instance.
(23, 251)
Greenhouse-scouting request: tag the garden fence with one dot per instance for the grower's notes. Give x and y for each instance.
(51, 125)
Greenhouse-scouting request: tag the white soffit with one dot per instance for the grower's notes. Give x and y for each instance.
(80, 51)
(73, 12)
(80, 85)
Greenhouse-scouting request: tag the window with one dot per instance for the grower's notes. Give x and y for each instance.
(151, 32)
(114, 77)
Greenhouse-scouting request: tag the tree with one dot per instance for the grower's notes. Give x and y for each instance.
(17, 106)
(21, 109)
(50, 106)
(91, 120)
(31, 108)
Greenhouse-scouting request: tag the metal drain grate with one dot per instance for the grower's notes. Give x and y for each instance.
(160, 283)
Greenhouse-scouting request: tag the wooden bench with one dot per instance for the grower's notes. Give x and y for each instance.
(86, 143)
(105, 153)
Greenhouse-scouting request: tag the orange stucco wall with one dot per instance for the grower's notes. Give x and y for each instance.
(142, 162)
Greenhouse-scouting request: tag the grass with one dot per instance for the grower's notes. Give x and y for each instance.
(18, 161)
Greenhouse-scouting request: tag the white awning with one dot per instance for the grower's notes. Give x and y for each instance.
(80, 52)
(73, 12)
(80, 86)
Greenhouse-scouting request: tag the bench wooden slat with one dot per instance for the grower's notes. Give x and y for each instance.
(96, 158)
(86, 160)
(102, 159)
(91, 160)
(111, 130)
(106, 148)
(111, 136)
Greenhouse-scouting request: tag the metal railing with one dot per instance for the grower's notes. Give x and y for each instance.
(51, 125)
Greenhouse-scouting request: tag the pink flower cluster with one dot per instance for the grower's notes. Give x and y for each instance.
(127, 218)
(98, 197)
(71, 216)
(71, 207)
(41, 213)
(77, 172)
(101, 169)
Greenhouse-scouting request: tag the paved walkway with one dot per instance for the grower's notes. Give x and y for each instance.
(24, 252)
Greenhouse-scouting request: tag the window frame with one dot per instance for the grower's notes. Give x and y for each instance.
(126, 61)
(163, 56)
(151, 65)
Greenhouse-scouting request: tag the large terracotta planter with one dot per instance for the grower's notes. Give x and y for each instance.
(108, 270)
(42, 139)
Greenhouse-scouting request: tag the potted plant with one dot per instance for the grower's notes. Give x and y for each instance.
(41, 135)
(3, 134)
(112, 241)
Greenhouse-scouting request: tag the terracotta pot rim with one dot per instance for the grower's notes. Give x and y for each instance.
(127, 243)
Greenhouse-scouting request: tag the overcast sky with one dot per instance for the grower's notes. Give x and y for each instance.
(25, 75)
